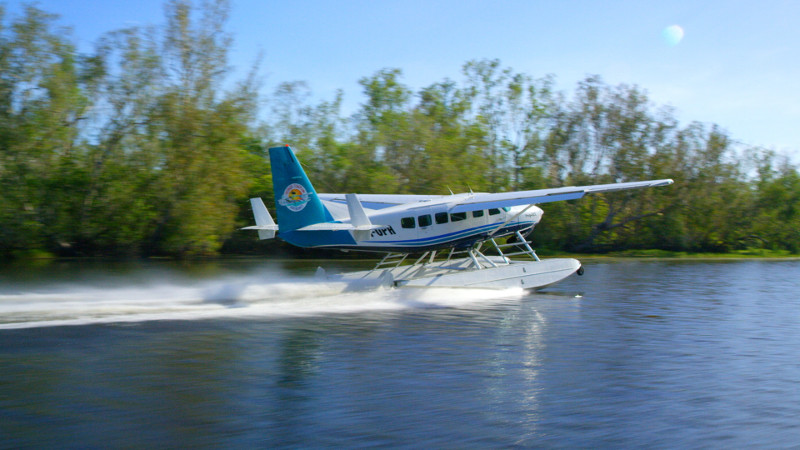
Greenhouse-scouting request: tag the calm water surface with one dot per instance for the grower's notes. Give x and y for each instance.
(255, 354)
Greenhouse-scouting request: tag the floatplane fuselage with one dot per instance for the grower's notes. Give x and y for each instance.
(428, 226)
(400, 225)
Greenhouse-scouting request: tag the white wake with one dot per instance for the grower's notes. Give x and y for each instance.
(232, 297)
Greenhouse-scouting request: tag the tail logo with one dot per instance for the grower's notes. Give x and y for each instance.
(294, 197)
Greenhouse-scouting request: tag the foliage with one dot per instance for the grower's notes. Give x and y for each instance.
(134, 149)
(145, 147)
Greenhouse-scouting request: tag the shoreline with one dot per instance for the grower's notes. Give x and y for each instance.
(641, 255)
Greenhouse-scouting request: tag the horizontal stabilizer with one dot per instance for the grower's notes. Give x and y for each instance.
(359, 219)
(359, 225)
(265, 226)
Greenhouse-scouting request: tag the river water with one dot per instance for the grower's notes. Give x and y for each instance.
(258, 354)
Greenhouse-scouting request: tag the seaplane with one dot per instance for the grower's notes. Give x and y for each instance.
(453, 238)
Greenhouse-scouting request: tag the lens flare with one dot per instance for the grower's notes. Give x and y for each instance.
(672, 35)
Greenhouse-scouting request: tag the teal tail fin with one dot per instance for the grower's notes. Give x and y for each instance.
(296, 201)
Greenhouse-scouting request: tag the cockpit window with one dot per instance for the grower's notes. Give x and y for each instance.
(494, 212)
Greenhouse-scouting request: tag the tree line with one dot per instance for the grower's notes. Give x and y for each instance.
(144, 146)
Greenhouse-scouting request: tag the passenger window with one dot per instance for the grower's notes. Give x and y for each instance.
(441, 217)
(424, 221)
(477, 213)
(494, 212)
(455, 217)
(407, 222)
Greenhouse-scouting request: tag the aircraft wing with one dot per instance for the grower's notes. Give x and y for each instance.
(499, 200)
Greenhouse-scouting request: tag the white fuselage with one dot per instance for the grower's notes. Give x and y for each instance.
(427, 225)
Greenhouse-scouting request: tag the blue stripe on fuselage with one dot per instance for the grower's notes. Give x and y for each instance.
(443, 237)
(461, 233)
(323, 238)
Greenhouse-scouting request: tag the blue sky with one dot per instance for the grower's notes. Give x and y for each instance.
(737, 65)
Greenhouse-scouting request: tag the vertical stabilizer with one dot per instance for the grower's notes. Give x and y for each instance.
(296, 201)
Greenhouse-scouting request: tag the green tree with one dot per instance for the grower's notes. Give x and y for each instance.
(200, 130)
(515, 109)
(119, 195)
(448, 149)
(605, 135)
(43, 100)
(776, 207)
(714, 193)
(383, 124)
(424, 147)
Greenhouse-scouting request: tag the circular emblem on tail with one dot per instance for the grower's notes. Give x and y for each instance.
(294, 197)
